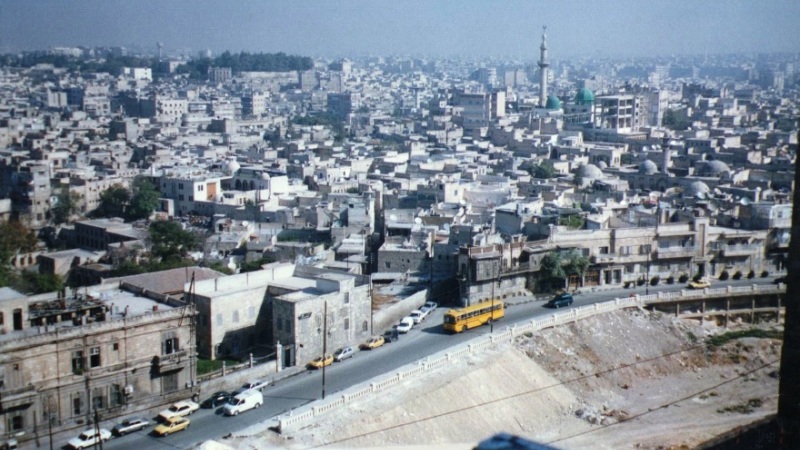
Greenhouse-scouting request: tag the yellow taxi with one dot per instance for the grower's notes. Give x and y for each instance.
(320, 362)
(702, 283)
(171, 425)
(373, 342)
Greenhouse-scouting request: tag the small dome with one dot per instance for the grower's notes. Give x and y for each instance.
(233, 166)
(713, 169)
(648, 167)
(584, 96)
(697, 189)
(602, 165)
(589, 171)
(553, 102)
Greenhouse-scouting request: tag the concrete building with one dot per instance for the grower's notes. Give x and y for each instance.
(108, 350)
(98, 234)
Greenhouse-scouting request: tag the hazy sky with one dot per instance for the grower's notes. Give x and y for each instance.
(423, 27)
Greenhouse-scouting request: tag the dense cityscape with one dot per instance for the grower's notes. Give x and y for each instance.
(174, 224)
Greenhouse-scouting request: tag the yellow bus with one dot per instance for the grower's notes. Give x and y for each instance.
(458, 320)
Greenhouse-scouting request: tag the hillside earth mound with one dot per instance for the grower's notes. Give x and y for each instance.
(630, 379)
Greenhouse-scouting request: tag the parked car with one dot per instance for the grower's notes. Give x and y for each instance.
(130, 426)
(320, 362)
(89, 438)
(430, 305)
(391, 335)
(179, 409)
(560, 300)
(250, 399)
(701, 283)
(373, 342)
(216, 399)
(417, 315)
(255, 384)
(173, 425)
(405, 325)
(343, 353)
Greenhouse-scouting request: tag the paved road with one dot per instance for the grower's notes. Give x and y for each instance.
(301, 389)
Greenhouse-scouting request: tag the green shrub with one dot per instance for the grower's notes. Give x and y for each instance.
(683, 278)
(751, 274)
(670, 279)
(654, 281)
(737, 275)
(764, 274)
(724, 275)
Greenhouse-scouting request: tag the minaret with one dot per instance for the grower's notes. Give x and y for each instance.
(543, 65)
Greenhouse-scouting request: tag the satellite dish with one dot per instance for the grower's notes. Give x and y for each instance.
(417, 220)
(392, 217)
(245, 223)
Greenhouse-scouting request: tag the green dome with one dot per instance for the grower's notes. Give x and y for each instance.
(553, 102)
(584, 96)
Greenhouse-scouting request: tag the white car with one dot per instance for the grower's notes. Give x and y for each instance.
(343, 353)
(405, 325)
(89, 438)
(417, 315)
(179, 409)
(431, 305)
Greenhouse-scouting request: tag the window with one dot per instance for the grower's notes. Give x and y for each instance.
(388, 265)
(288, 326)
(98, 398)
(218, 320)
(347, 297)
(94, 357)
(16, 422)
(279, 323)
(116, 396)
(170, 344)
(235, 316)
(603, 250)
(77, 404)
(1, 318)
(365, 326)
(251, 312)
(115, 346)
(169, 382)
(346, 324)
(77, 362)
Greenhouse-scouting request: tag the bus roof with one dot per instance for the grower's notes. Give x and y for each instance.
(475, 307)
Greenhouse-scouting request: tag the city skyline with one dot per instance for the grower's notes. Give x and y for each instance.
(362, 27)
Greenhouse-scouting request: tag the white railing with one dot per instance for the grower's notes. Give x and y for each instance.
(292, 421)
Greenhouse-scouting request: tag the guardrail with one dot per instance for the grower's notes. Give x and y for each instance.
(293, 420)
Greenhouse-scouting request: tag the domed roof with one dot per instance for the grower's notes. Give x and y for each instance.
(584, 96)
(648, 167)
(233, 166)
(697, 189)
(553, 102)
(713, 169)
(589, 171)
(602, 165)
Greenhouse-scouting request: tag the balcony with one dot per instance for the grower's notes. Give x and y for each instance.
(741, 250)
(12, 398)
(614, 258)
(676, 252)
(173, 361)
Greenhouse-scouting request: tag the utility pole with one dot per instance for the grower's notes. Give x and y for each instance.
(647, 280)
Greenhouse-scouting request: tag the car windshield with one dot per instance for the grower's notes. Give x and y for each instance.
(174, 408)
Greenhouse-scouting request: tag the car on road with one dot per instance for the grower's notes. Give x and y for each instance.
(560, 300)
(173, 425)
(179, 409)
(320, 362)
(391, 335)
(216, 399)
(254, 384)
(417, 315)
(89, 438)
(373, 342)
(430, 305)
(343, 353)
(130, 426)
(245, 401)
(700, 283)
(405, 325)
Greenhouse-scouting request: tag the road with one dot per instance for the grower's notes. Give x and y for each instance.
(424, 340)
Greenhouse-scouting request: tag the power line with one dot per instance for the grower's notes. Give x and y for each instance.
(592, 375)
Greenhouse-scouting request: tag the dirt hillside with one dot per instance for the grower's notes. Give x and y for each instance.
(631, 379)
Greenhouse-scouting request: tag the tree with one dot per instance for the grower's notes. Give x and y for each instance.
(573, 221)
(170, 241)
(114, 201)
(576, 264)
(544, 170)
(67, 204)
(14, 238)
(143, 201)
(551, 272)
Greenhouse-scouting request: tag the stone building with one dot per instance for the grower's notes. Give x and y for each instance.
(62, 358)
